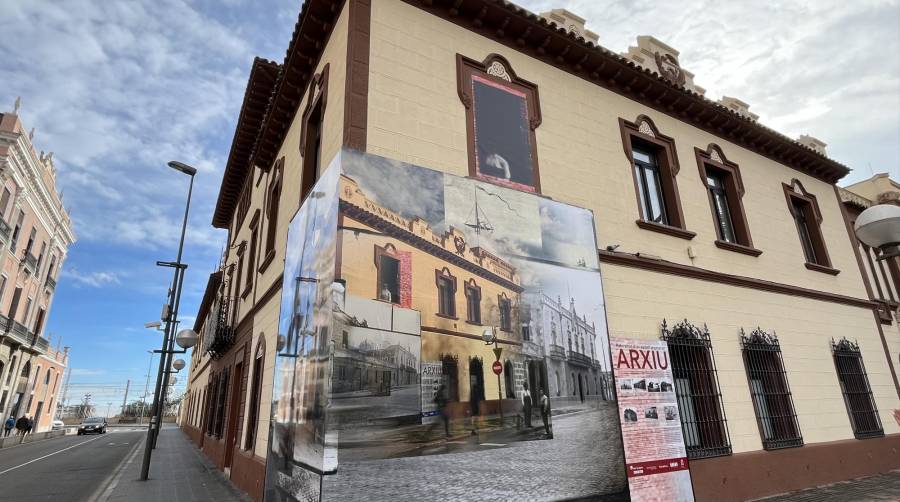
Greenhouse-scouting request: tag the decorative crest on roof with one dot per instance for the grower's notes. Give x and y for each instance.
(669, 68)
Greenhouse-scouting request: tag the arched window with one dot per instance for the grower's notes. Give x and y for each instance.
(47, 378)
(37, 374)
(26, 370)
(259, 360)
(12, 369)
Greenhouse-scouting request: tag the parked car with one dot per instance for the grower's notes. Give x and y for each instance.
(93, 425)
(58, 425)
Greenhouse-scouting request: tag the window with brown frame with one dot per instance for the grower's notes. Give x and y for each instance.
(725, 189)
(502, 113)
(251, 256)
(857, 392)
(388, 266)
(273, 201)
(697, 390)
(311, 132)
(769, 390)
(473, 302)
(505, 312)
(446, 287)
(654, 167)
(255, 393)
(804, 209)
(243, 205)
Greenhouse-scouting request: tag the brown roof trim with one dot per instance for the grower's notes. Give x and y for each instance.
(311, 33)
(526, 32)
(212, 287)
(256, 98)
(390, 229)
(667, 267)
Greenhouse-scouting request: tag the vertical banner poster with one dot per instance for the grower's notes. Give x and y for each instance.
(432, 377)
(655, 456)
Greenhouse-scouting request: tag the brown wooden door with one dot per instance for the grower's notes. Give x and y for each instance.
(233, 414)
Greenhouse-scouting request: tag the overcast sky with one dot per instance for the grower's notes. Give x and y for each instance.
(116, 88)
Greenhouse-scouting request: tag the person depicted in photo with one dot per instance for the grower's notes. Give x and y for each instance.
(385, 294)
(440, 401)
(629, 415)
(496, 166)
(526, 404)
(8, 426)
(545, 412)
(21, 425)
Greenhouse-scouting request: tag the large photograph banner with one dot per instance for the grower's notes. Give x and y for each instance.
(655, 456)
(455, 348)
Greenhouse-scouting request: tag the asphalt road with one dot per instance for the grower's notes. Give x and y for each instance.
(71, 468)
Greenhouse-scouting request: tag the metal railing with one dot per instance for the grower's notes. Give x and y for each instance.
(557, 352)
(223, 330)
(19, 333)
(31, 262)
(51, 283)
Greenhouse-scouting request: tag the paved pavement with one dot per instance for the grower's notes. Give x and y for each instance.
(489, 466)
(178, 472)
(874, 488)
(70, 468)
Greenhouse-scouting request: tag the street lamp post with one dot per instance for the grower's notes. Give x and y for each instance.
(171, 312)
(146, 387)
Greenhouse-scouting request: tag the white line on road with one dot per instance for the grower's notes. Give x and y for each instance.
(482, 444)
(49, 455)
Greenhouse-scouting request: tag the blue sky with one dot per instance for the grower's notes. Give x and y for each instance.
(118, 88)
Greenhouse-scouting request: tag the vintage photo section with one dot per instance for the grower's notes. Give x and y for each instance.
(444, 352)
(297, 451)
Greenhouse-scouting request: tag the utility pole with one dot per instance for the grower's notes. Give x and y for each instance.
(125, 401)
(65, 397)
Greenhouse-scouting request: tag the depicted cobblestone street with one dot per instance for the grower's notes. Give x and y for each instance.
(583, 460)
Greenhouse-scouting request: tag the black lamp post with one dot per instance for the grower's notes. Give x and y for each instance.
(170, 318)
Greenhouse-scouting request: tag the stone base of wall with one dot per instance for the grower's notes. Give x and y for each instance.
(750, 475)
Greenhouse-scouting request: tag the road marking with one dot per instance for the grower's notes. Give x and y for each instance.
(49, 455)
(492, 444)
(104, 492)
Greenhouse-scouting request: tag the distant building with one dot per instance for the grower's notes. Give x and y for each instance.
(35, 233)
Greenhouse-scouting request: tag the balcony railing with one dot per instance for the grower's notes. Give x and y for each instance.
(579, 358)
(19, 333)
(222, 332)
(30, 262)
(51, 283)
(557, 352)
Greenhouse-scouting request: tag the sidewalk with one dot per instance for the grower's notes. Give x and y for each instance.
(881, 487)
(178, 472)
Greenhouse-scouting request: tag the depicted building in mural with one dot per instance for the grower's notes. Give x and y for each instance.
(35, 233)
(576, 357)
(706, 224)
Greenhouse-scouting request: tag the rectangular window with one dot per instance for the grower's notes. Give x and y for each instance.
(51, 267)
(857, 392)
(801, 219)
(4, 202)
(505, 314)
(221, 404)
(389, 279)
(446, 289)
(646, 172)
(697, 390)
(473, 303)
(716, 184)
(40, 258)
(31, 237)
(17, 230)
(251, 261)
(272, 213)
(3, 281)
(256, 391)
(769, 391)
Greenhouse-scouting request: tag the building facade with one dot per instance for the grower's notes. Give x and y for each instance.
(723, 237)
(35, 233)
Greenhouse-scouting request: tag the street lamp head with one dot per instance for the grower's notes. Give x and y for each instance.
(178, 364)
(153, 325)
(180, 166)
(186, 338)
(488, 336)
(879, 227)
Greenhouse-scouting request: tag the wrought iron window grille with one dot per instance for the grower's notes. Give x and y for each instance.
(855, 387)
(697, 389)
(769, 390)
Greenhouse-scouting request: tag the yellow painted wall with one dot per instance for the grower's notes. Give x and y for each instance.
(638, 300)
(415, 115)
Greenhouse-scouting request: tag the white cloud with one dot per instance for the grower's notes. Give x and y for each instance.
(828, 68)
(86, 372)
(93, 279)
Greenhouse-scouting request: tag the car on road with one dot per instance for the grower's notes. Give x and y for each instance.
(58, 425)
(93, 425)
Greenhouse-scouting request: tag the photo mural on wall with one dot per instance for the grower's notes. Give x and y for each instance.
(460, 330)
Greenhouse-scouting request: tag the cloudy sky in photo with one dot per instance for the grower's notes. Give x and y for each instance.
(117, 88)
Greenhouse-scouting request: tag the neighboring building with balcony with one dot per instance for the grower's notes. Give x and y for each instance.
(35, 234)
(702, 214)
